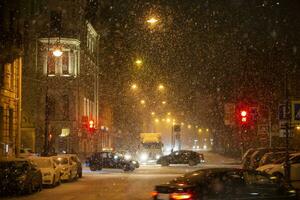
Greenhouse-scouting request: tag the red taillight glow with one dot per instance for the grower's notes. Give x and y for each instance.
(154, 194)
(181, 196)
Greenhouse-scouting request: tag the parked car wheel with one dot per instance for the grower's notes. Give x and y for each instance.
(53, 182)
(30, 188)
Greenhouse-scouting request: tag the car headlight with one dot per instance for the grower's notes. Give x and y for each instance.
(127, 156)
(157, 157)
(133, 162)
(144, 157)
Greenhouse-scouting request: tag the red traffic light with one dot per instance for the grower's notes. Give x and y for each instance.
(243, 115)
(91, 124)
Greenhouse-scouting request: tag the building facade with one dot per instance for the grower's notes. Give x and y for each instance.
(11, 48)
(62, 90)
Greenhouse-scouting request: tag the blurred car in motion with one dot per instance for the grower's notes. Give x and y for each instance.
(101, 160)
(50, 171)
(224, 183)
(277, 168)
(129, 156)
(181, 157)
(19, 175)
(67, 166)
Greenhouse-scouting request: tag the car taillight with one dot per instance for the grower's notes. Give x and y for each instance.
(181, 196)
(154, 194)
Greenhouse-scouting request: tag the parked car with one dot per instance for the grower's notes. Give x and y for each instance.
(19, 175)
(258, 154)
(67, 166)
(247, 156)
(181, 157)
(26, 152)
(75, 159)
(49, 169)
(277, 169)
(271, 157)
(224, 183)
(109, 160)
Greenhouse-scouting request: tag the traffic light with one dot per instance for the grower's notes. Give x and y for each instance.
(244, 116)
(91, 126)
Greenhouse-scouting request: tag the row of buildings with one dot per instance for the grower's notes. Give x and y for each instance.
(49, 79)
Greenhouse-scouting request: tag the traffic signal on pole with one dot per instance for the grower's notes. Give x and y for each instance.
(244, 116)
(91, 126)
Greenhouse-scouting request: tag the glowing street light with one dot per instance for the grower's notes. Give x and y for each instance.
(161, 87)
(207, 130)
(156, 120)
(168, 120)
(143, 102)
(189, 126)
(138, 62)
(152, 20)
(57, 52)
(164, 102)
(134, 86)
(152, 113)
(200, 130)
(169, 113)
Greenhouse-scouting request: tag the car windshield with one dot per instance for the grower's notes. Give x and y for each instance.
(61, 161)
(42, 163)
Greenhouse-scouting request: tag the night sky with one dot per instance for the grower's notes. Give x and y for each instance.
(207, 53)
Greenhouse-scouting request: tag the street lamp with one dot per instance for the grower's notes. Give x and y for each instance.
(57, 52)
(164, 102)
(152, 21)
(134, 86)
(138, 62)
(161, 87)
(152, 113)
(142, 102)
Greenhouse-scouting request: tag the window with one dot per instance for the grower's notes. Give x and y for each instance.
(51, 63)
(11, 124)
(252, 178)
(51, 108)
(65, 107)
(1, 74)
(1, 124)
(65, 63)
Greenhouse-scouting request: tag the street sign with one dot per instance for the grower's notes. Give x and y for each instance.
(295, 111)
